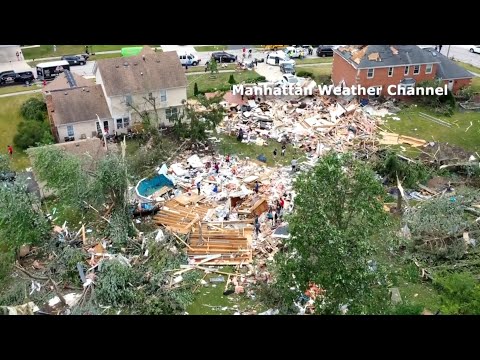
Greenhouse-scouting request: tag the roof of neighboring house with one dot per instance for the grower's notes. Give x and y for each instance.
(79, 104)
(447, 69)
(123, 76)
(61, 82)
(371, 56)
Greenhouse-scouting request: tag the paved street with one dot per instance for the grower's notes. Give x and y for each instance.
(460, 52)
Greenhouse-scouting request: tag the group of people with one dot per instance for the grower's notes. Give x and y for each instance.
(275, 212)
(438, 48)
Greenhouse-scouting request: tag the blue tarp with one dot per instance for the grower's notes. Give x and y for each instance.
(147, 187)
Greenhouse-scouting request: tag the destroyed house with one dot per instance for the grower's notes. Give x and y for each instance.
(150, 83)
(78, 113)
(399, 65)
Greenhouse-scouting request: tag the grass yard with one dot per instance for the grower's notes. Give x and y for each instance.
(321, 73)
(468, 67)
(476, 83)
(18, 88)
(210, 48)
(230, 145)
(412, 124)
(9, 119)
(220, 80)
(319, 60)
(201, 68)
(47, 50)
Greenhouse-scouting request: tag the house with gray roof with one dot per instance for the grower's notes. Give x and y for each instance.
(78, 113)
(152, 83)
(384, 65)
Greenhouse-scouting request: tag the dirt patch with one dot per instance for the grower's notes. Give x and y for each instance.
(438, 183)
(445, 154)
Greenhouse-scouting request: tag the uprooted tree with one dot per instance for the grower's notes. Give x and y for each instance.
(106, 184)
(338, 212)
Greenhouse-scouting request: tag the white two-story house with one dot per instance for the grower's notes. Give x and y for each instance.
(133, 85)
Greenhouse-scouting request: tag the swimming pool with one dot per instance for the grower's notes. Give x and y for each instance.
(148, 186)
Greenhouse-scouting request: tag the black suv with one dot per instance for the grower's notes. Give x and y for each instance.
(325, 50)
(24, 77)
(75, 59)
(222, 56)
(8, 77)
(287, 68)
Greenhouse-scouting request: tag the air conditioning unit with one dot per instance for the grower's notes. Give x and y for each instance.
(83, 137)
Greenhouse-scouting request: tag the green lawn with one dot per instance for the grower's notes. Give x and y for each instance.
(9, 119)
(321, 73)
(200, 68)
(468, 67)
(18, 88)
(230, 145)
(47, 50)
(204, 81)
(211, 48)
(476, 83)
(319, 60)
(412, 124)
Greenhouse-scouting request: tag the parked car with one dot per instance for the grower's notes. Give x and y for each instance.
(24, 77)
(222, 56)
(325, 50)
(75, 60)
(8, 78)
(475, 49)
(278, 58)
(287, 68)
(189, 59)
(289, 79)
(294, 52)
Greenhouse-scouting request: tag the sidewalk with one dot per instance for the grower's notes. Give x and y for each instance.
(21, 93)
(96, 53)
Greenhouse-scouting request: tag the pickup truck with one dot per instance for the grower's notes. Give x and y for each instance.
(295, 53)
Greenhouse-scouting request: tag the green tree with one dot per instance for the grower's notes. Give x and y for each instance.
(193, 124)
(195, 90)
(34, 109)
(213, 66)
(21, 218)
(231, 80)
(30, 134)
(338, 211)
(460, 293)
(4, 163)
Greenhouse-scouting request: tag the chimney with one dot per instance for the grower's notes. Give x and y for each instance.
(66, 93)
(141, 73)
(117, 66)
(143, 57)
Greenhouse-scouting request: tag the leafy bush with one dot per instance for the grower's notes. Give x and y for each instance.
(34, 109)
(406, 309)
(31, 134)
(303, 73)
(115, 284)
(460, 293)
(231, 80)
(195, 89)
(4, 163)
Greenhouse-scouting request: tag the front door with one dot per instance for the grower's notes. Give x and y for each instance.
(105, 127)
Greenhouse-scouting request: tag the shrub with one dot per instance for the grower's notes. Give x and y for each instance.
(195, 89)
(31, 134)
(34, 109)
(303, 73)
(460, 293)
(231, 80)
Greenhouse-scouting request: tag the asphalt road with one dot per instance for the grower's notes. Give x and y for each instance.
(460, 52)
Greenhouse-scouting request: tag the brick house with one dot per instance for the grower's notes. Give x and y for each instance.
(384, 65)
(140, 84)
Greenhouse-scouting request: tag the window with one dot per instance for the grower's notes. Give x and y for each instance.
(416, 70)
(70, 131)
(407, 69)
(171, 113)
(128, 99)
(390, 71)
(370, 73)
(163, 95)
(428, 68)
(123, 123)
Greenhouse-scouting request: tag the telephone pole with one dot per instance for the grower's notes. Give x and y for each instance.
(448, 51)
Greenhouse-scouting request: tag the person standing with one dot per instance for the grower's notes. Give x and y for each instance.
(257, 186)
(10, 150)
(227, 158)
(275, 153)
(217, 168)
(54, 48)
(257, 226)
(283, 149)
(86, 50)
(294, 165)
(440, 48)
(249, 53)
(198, 187)
(18, 56)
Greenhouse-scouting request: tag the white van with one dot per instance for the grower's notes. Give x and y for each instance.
(278, 57)
(189, 59)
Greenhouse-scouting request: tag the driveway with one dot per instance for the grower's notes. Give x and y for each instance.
(84, 70)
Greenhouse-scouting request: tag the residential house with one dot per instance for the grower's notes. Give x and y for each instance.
(150, 83)
(78, 113)
(66, 80)
(384, 65)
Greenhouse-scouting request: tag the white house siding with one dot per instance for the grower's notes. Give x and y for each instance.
(84, 127)
(119, 109)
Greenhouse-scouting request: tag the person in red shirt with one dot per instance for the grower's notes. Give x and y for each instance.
(282, 203)
(10, 150)
(217, 167)
(227, 159)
